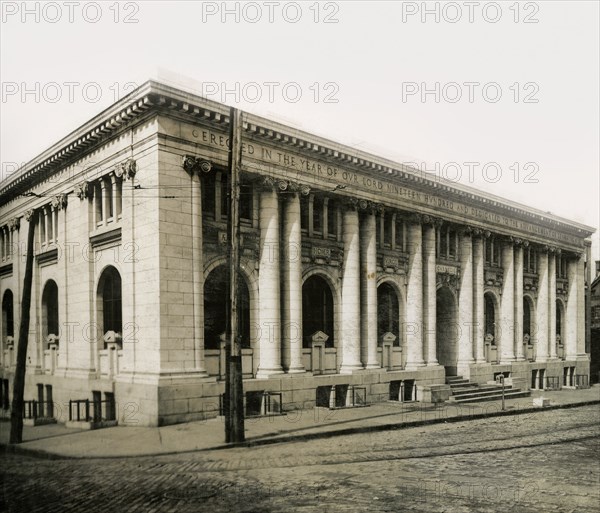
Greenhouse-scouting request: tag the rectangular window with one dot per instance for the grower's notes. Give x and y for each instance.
(318, 215)
(108, 190)
(452, 244)
(399, 234)
(387, 230)
(304, 213)
(208, 196)
(332, 219)
(246, 200)
(224, 196)
(98, 202)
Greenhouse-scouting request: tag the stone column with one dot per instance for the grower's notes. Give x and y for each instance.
(368, 293)
(115, 196)
(574, 310)
(429, 293)
(542, 310)
(581, 308)
(291, 265)
(465, 304)
(507, 305)
(197, 273)
(194, 167)
(351, 293)
(478, 299)
(105, 201)
(552, 304)
(268, 286)
(414, 296)
(520, 356)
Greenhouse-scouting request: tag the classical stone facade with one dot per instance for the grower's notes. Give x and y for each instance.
(358, 273)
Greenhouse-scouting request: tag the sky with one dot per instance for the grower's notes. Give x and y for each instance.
(501, 96)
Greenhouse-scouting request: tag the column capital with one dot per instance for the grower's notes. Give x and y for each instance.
(82, 190)
(432, 221)
(29, 214)
(60, 201)
(415, 218)
(14, 223)
(190, 163)
(126, 169)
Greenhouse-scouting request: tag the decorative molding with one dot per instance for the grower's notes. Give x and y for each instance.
(29, 214)
(108, 237)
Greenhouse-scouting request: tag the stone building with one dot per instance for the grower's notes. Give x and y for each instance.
(358, 273)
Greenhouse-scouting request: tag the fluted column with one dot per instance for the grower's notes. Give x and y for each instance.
(268, 286)
(414, 296)
(507, 306)
(465, 304)
(478, 299)
(351, 293)
(574, 309)
(429, 293)
(552, 304)
(520, 356)
(291, 265)
(368, 293)
(542, 310)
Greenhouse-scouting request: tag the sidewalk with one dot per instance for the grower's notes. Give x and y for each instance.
(55, 440)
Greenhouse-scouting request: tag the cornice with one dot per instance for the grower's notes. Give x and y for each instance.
(162, 98)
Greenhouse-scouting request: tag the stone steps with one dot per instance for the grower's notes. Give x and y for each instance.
(463, 391)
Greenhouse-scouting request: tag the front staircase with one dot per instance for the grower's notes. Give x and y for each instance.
(463, 391)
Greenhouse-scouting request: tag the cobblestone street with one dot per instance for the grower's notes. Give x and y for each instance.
(548, 461)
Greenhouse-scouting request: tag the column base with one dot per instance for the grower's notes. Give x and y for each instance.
(520, 359)
(433, 363)
(415, 365)
(267, 373)
(296, 370)
(376, 365)
(480, 361)
(351, 368)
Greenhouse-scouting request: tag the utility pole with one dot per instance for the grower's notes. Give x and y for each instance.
(16, 414)
(234, 391)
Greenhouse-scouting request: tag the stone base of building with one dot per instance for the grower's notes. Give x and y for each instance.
(163, 400)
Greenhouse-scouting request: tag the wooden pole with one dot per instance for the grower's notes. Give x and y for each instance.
(234, 393)
(16, 414)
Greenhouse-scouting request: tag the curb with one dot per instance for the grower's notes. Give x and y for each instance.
(275, 439)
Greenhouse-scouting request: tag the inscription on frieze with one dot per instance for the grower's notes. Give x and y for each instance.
(266, 157)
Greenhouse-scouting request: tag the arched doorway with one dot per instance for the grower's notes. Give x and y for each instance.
(490, 335)
(216, 296)
(109, 302)
(388, 313)
(50, 309)
(446, 330)
(560, 323)
(8, 316)
(528, 339)
(317, 310)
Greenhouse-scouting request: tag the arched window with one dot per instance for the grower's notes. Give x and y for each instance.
(109, 299)
(490, 317)
(317, 310)
(50, 309)
(526, 317)
(560, 313)
(8, 318)
(388, 313)
(216, 295)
